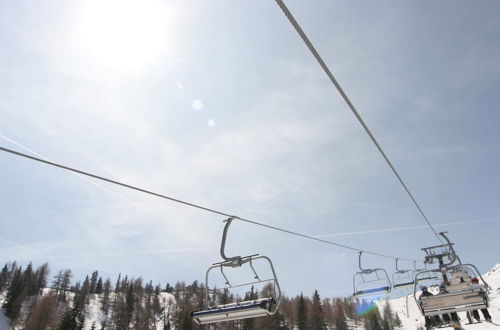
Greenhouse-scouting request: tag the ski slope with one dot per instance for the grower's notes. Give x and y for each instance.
(4, 321)
(413, 318)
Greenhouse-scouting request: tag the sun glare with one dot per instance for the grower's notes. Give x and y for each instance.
(123, 34)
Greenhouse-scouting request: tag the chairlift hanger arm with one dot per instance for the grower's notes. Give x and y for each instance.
(235, 261)
(223, 242)
(454, 254)
(359, 263)
(400, 271)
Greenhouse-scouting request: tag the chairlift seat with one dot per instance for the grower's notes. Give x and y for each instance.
(460, 301)
(386, 289)
(236, 311)
(403, 285)
(457, 287)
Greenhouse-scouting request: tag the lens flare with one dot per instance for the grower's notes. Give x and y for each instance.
(197, 105)
(365, 306)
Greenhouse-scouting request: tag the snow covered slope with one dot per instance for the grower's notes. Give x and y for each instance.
(413, 318)
(4, 321)
(93, 312)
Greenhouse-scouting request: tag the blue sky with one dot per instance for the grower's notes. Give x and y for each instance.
(219, 103)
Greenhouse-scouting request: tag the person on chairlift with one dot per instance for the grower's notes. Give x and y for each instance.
(475, 285)
(430, 321)
(446, 317)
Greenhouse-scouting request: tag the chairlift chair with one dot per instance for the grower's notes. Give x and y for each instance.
(430, 277)
(369, 287)
(243, 309)
(459, 297)
(402, 278)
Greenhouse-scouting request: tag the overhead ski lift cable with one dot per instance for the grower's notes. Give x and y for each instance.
(325, 68)
(225, 214)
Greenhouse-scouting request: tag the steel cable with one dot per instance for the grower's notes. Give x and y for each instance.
(325, 68)
(176, 200)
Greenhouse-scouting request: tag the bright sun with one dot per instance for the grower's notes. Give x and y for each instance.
(123, 34)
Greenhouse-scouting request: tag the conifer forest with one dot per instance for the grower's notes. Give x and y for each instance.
(35, 298)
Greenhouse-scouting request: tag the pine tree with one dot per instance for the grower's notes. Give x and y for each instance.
(81, 297)
(105, 296)
(339, 315)
(388, 318)
(15, 295)
(249, 324)
(98, 287)
(29, 281)
(62, 282)
(56, 283)
(317, 315)
(129, 301)
(386, 324)
(4, 276)
(72, 320)
(41, 275)
(372, 319)
(397, 321)
(124, 284)
(13, 268)
(93, 281)
(302, 321)
(117, 285)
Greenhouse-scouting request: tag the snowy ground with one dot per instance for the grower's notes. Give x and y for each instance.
(414, 319)
(93, 312)
(4, 321)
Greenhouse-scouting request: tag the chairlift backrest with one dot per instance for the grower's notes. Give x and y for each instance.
(428, 277)
(402, 278)
(459, 275)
